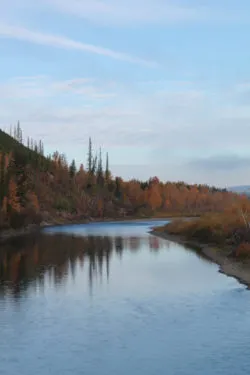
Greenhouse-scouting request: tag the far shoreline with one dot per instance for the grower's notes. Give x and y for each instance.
(58, 221)
(8, 234)
(228, 266)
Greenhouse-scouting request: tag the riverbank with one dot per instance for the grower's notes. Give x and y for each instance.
(9, 233)
(229, 266)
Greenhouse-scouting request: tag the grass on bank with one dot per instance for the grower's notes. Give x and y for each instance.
(221, 229)
(167, 215)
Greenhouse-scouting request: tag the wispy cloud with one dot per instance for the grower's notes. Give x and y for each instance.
(123, 13)
(130, 12)
(152, 12)
(179, 120)
(112, 12)
(133, 118)
(37, 87)
(56, 41)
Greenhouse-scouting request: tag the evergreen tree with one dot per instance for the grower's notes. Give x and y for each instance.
(90, 157)
(40, 148)
(107, 171)
(72, 169)
(19, 135)
(100, 169)
(94, 165)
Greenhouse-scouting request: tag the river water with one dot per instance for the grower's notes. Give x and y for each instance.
(110, 299)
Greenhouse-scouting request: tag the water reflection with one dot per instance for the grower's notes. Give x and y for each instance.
(53, 259)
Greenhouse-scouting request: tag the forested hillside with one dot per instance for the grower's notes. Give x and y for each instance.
(36, 188)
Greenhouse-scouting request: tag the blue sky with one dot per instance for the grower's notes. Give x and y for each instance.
(163, 85)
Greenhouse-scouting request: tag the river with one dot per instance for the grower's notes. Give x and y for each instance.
(110, 299)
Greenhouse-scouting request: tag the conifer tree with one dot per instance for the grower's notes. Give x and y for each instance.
(100, 169)
(40, 148)
(72, 169)
(90, 157)
(19, 135)
(107, 172)
(94, 165)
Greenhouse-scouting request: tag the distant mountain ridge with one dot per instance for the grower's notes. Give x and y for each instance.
(240, 189)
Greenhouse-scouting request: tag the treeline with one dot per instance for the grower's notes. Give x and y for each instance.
(35, 188)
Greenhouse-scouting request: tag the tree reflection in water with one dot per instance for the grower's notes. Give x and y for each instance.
(31, 261)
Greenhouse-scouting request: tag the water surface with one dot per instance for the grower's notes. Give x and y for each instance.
(111, 299)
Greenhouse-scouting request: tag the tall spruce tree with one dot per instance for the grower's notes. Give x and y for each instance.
(72, 169)
(100, 169)
(19, 134)
(94, 165)
(40, 148)
(107, 172)
(90, 157)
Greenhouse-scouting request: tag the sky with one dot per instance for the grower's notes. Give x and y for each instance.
(162, 85)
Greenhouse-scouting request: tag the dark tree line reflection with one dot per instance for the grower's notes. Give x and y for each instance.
(30, 261)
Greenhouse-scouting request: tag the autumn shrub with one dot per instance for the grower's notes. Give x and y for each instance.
(214, 228)
(174, 227)
(243, 250)
(61, 204)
